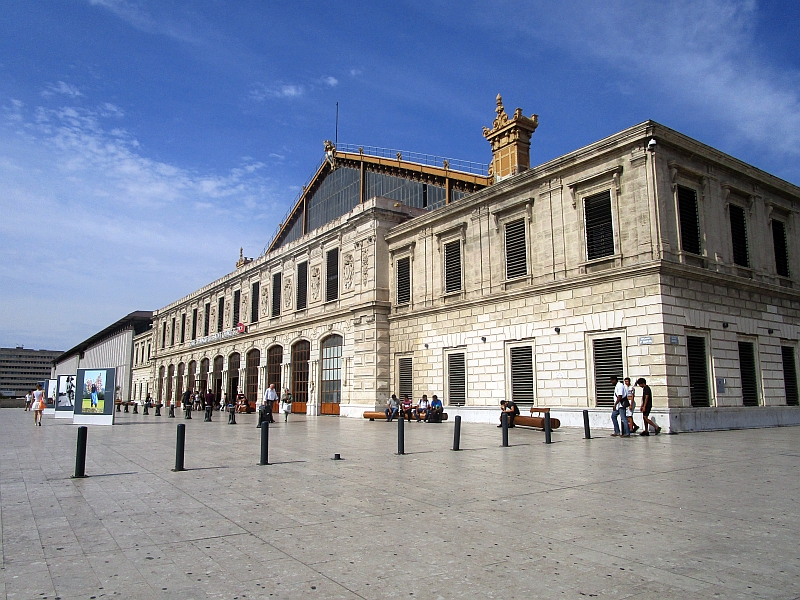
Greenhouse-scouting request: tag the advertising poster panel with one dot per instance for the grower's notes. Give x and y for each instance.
(50, 391)
(65, 399)
(94, 397)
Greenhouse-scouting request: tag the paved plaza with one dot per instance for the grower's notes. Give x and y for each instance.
(709, 515)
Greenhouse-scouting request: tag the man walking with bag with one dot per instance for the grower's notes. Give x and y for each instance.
(620, 406)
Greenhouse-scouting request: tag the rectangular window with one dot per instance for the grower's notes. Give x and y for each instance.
(747, 367)
(332, 275)
(148, 351)
(789, 375)
(194, 323)
(452, 267)
(183, 328)
(302, 285)
(516, 259)
(206, 319)
(698, 370)
(607, 362)
(599, 226)
(237, 301)
(172, 333)
(403, 267)
(405, 368)
(781, 248)
(276, 294)
(254, 300)
(739, 236)
(456, 379)
(690, 223)
(220, 314)
(522, 390)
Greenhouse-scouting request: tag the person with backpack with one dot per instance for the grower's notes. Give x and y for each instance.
(620, 408)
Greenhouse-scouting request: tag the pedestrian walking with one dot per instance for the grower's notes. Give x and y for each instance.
(632, 426)
(620, 404)
(38, 405)
(647, 405)
(286, 404)
(28, 401)
(270, 396)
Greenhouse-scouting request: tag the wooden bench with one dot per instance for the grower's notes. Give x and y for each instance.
(372, 415)
(537, 422)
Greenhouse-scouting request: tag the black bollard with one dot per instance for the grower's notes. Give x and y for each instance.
(181, 443)
(126, 407)
(504, 423)
(188, 414)
(401, 434)
(119, 407)
(80, 454)
(209, 410)
(171, 411)
(232, 417)
(158, 409)
(547, 429)
(145, 410)
(135, 408)
(457, 434)
(261, 413)
(264, 444)
(587, 434)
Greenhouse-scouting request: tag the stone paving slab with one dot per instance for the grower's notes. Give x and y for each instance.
(707, 515)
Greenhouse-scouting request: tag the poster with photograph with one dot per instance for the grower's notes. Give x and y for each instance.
(65, 399)
(94, 392)
(50, 391)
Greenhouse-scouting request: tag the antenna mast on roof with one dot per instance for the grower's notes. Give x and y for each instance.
(336, 133)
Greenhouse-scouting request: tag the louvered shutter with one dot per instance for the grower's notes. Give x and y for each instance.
(789, 375)
(220, 314)
(237, 300)
(302, 285)
(332, 275)
(781, 249)
(276, 294)
(690, 225)
(739, 236)
(405, 367)
(452, 267)
(516, 261)
(607, 362)
(599, 226)
(403, 267)
(522, 374)
(456, 379)
(747, 367)
(254, 302)
(698, 370)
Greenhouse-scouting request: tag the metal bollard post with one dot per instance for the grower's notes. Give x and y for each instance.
(179, 446)
(547, 429)
(188, 411)
(80, 454)
(145, 408)
(587, 434)
(209, 410)
(401, 442)
(261, 414)
(158, 410)
(171, 411)
(504, 423)
(264, 443)
(457, 434)
(232, 417)
(135, 408)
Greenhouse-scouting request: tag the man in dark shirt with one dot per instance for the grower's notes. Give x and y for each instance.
(508, 407)
(436, 410)
(647, 405)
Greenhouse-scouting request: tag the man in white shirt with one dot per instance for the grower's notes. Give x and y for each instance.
(422, 408)
(620, 406)
(270, 396)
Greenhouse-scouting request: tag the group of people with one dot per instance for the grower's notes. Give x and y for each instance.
(430, 412)
(268, 402)
(36, 402)
(625, 407)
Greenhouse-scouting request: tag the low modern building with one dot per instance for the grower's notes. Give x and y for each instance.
(645, 254)
(111, 348)
(21, 369)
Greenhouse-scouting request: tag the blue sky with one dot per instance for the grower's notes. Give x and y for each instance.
(143, 142)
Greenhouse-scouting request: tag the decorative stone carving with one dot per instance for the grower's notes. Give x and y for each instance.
(347, 269)
(315, 282)
(243, 307)
(365, 245)
(287, 293)
(264, 302)
(227, 314)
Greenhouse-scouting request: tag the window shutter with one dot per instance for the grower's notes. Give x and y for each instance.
(698, 370)
(237, 301)
(781, 248)
(254, 302)
(405, 366)
(194, 323)
(747, 366)
(207, 319)
(183, 327)
(172, 333)
(690, 224)
(739, 236)
(599, 226)
(221, 314)
(276, 294)
(332, 275)
(456, 379)
(403, 267)
(522, 374)
(302, 285)
(452, 267)
(607, 362)
(516, 261)
(789, 375)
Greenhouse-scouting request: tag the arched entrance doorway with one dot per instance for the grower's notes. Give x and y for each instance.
(160, 397)
(202, 376)
(301, 352)
(274, 364)
(170, 377)
(179, 385)
(234, 362)
(191, 384)
(251, 375)
(216, 377)
(330, 389)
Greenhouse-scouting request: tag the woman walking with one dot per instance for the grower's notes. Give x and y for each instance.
(38, 405)
(286, 404)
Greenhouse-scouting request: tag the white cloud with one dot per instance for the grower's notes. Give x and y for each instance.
(355, 72)
(261, 92)
(137, 17)
(65, 89)
(331, 81)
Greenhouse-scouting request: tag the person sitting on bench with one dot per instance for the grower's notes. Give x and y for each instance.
(422, 407)
(392, 406)
(508, 407)
(406, 408)
(436, 409)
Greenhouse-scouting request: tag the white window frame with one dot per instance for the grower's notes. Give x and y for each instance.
(599, 335)
(446, 370)
(516, 344)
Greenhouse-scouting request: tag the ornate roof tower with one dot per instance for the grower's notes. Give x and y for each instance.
(511, 142)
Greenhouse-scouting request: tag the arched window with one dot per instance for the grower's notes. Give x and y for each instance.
(170, 377)
(161, 385)
(190, 378)
(216, 378)
(251, 376)
(331, 388)
(274, 361)
(203, 375)
(234, 362)
(179, 384)
(301, 352)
